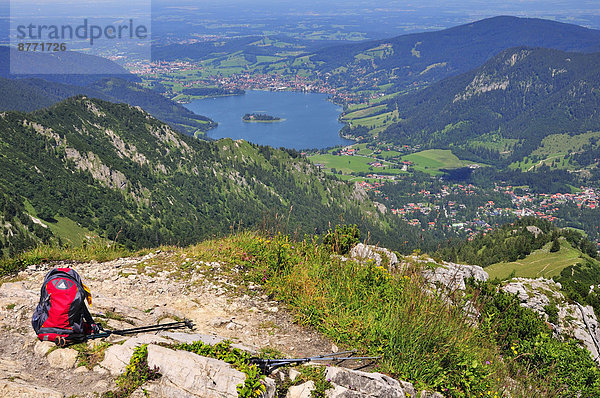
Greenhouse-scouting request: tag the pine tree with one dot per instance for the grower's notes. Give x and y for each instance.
(555, 246)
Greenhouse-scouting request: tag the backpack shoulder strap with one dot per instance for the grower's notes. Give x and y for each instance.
(87, 316)
(88, 293)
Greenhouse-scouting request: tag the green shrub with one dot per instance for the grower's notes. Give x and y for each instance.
(136, 373)
(552, 312)
(342, 239)
(252, 386)
(308, 373)
(565, 369)
(420, 336)
(90, 356)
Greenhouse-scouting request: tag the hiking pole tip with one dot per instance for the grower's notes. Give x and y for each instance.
(189, 323)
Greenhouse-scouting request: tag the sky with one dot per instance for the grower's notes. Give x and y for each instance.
(378, 18)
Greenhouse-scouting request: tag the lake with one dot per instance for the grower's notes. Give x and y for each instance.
(310, 120)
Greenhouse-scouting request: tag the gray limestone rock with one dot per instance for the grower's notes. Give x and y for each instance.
(343, 392)
(380, 255)
(534, 230)
(573, 319)
(41, 348)
(63, 358)
(17, 389)
(116, 357)
(355, 383)
(270, 388)
(193, 374)
(301, 391)
(453, 276)
(535, 293)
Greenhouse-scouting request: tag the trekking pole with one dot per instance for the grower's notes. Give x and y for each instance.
(141, 329)
(267, 366)
(285, 360)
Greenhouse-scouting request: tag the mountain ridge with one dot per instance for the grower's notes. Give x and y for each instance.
(114, 169)
(522, 94)
(421, 58)
(30, 94)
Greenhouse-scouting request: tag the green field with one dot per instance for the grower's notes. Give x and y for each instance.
(303, 61)
(495, 142)
(70, 231)
(350, 178)
(65, 228)
(556, 161)
(235, 59)
(432, 160)
(390, 154)
(371, 102)
(381, 51)
(267, 59)
(362, 113)
(432, 66)
(428, 161)
(349, 164)
(555, 144)
(555, 151)
(539, 263)
(377, 123)
(363, 150)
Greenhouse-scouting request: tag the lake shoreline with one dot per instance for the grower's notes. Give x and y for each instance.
(311, 119)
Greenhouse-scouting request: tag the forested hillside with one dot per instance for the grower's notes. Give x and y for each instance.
(504, 109)
(118, 172)
(162, 108)
(31, 94)
(515, 241)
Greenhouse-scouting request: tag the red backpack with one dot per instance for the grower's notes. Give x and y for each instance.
(61, 315)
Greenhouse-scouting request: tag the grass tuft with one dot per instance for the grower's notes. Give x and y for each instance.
(97, 250)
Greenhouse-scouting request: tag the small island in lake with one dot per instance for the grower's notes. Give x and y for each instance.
(261, 117)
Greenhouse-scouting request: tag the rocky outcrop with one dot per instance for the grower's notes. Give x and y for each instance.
(185, 374)
(381, 255)
(535, 293)
(301, 391)
(117, 356)
(452, 276)
(348, 383)
(534, 230)
(41, 348)
(353, 383)
(138, 291)
(65, 358)
(20, 389)
(574, 320)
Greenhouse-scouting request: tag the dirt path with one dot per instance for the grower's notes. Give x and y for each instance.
(130, 293)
